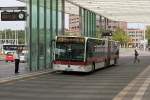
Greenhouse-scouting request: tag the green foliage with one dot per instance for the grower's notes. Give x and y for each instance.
(99, 32)
(10, 34)
(121, 36)
(148, 33)
(21, 37)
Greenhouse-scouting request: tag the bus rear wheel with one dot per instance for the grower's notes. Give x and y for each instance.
(115, 61)
(105, 63)
(93, 67)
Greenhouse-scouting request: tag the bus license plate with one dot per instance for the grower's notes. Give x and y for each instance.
(68, 69)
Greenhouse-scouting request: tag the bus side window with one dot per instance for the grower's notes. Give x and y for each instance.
(89, 49)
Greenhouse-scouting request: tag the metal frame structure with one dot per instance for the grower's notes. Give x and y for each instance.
(13, 8)
(44, 21)
(117, 10)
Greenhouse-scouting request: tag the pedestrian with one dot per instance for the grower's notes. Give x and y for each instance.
(136, 59)
(17, 60)
(117, 56)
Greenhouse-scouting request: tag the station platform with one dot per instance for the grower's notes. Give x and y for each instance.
(7, 68)
(7, 72)
(127, 81)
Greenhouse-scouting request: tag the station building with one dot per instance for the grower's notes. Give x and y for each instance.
(136, 37)
(45, 20)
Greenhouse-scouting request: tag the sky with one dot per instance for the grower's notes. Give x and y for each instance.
(21, 24)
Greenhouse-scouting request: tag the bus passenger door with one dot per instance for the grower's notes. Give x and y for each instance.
(52, 51)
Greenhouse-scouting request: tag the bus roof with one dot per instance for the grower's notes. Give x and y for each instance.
(83, 37)
(88, 38)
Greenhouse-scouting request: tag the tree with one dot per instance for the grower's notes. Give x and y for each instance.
(10, 34)
(21, 37)
(99, 32)
(121, 36)
(148, 34)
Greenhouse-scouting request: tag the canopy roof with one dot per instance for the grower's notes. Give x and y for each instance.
(117, 10)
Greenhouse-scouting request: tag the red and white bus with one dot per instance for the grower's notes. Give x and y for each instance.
(84, 54)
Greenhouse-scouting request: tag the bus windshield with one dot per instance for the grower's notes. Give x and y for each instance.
(69, 51)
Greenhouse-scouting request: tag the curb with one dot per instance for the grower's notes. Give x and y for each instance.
(23, 76)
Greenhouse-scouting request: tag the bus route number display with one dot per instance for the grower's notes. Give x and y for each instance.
(70, 39)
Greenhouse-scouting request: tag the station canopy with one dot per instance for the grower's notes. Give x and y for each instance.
(117, 10)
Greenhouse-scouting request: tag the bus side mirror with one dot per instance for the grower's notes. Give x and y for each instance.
(51, 43)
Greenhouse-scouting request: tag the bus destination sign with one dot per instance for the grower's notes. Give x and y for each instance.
(71, 39)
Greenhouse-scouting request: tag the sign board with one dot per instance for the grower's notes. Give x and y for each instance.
(13, 16)
(70, 40)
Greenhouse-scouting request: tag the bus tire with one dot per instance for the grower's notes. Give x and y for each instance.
(105, 63)
(93, 67)
(115, 61)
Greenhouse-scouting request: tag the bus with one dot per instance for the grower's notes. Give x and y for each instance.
(7, 48)
(84, 54)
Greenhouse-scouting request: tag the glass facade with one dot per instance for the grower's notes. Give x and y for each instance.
(88, 22)
(44, 23)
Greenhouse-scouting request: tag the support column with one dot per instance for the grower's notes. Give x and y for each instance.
(30, 30)
(87, 28)
(100, 23)
(56, 17)
(80, 21)
(63, 17)
(84, 22)
(38, 32)
(45, 33)
(92, 23)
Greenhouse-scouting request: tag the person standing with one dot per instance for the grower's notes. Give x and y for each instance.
(136, 56)
(117, 56)
(17, 60)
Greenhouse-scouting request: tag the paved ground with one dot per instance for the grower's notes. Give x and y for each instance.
(127, 81)
(7, 69)
(124, 52)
